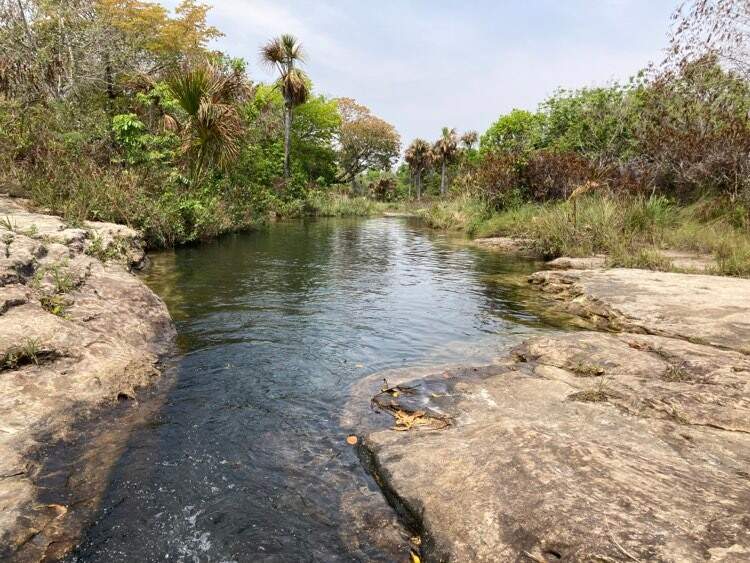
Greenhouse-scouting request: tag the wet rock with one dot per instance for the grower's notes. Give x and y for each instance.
(77, 331)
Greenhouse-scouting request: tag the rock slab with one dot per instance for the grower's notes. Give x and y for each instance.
(78, 331)
(590, 446)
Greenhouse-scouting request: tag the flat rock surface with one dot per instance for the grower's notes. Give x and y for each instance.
(590, 446)
(78, 331)
(709, 309)
(583, 447)
(572, 263)
(688, 262)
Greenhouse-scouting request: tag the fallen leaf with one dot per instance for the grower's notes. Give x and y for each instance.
(405, 420)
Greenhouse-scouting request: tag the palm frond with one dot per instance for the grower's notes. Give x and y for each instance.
(272, 53)
(292, 47)
(295, 86)
(213, 127)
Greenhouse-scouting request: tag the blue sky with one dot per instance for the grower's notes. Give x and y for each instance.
(424, 64)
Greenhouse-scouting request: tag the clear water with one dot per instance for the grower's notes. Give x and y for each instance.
(247, 459)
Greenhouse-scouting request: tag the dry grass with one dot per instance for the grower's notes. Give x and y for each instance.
(631, 231)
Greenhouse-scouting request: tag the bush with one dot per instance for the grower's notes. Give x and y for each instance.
(383, 189)
(461, 213)
(681, 134)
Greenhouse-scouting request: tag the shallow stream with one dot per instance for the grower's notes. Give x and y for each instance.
(246, 459)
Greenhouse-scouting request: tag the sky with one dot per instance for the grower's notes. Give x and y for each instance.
(425, 64)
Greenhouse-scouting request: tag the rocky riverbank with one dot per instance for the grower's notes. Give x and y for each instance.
(631, 444)
(78, 332)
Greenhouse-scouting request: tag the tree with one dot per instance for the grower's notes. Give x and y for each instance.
(212, 126)
(55, 50)
(313, 152)
(283, 53)
(517, 131)
(469, 139)
(365, 141)
(445, 150)
(717, 27)
(419, 157)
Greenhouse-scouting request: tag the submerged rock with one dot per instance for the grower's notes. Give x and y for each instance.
(589, 446)
(77, 331)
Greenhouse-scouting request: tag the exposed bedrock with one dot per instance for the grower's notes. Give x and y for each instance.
(590, 446)
(78, 331)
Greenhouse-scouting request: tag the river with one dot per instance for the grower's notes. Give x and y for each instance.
(246, 459)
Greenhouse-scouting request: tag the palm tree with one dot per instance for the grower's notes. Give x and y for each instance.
(419, 157)
(411, 162)
(283, 53)
(212, 126)
(469, 139)
(445, 150)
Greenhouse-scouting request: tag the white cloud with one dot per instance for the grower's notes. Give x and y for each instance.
(425, 64)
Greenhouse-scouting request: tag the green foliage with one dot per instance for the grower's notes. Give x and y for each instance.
(518, 131)
(314, 129)
(212, 126)
(461, 213)
(680, 134)
(139, 145)
(643, 258)
(594, 122)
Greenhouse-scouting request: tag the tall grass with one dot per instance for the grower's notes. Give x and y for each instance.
(328, 204)
(463, 213)
(631, 230)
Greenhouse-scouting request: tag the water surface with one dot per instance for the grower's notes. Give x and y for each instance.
(247, 459)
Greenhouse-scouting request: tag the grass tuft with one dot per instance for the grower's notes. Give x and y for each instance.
(27, 353)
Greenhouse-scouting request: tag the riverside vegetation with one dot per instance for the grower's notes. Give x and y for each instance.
(153, 129)
(117, 110)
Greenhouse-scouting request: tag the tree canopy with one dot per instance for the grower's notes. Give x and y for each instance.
(366, 142)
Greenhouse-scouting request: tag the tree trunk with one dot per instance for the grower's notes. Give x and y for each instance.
(419, 186)
(287, 137)
(442, 179)
(411, 182)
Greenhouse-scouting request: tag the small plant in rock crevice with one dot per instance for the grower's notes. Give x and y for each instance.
(116, 249)
(598, 393)
(53, 299)
(55, 304)
(8, 224)
(59, 275)
(28, 352)
(583, 369)
(676, 373)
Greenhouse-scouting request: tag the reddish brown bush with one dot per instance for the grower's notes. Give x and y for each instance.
(383, 189)
(498, 176)
(549, 175)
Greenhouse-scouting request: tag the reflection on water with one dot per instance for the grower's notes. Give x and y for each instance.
(247, 460)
